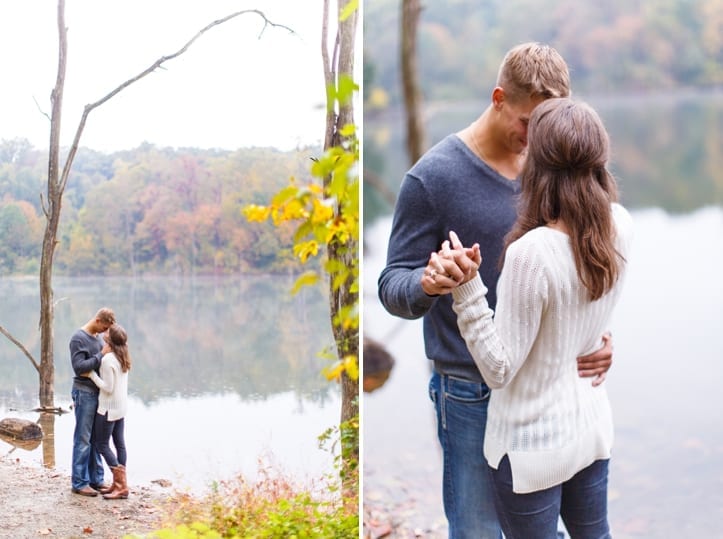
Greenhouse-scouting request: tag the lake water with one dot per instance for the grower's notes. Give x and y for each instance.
(666, 149)
(666, 476)
(225, 374)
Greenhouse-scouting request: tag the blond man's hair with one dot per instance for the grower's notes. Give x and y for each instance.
(105, 315)
(533, 70)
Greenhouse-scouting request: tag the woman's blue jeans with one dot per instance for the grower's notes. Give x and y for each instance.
(87, 468)
(581, 501)
(104, 431)
(467, 490)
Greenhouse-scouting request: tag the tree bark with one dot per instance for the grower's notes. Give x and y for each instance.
(415, 136)
(52, 208)
(347, 339)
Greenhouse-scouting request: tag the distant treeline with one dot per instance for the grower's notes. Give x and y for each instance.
(149, 210)
(615, 46)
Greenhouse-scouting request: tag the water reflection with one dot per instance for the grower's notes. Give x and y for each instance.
(666, 149)
(666, 476)
(225, 370)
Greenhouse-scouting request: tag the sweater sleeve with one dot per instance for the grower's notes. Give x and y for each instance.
(82, 358)
(413, 237)
(500, 345)
(106, 380)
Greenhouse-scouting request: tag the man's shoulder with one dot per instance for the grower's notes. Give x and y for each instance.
(81, 335)
(439, 156)
(445, 166)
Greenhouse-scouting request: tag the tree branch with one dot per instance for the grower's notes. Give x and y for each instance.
(150, 69)
(22, 348)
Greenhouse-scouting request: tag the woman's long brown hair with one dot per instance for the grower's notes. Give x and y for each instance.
(565, 178)
(118, 341)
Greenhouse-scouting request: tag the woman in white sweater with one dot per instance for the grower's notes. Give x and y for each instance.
(112, 406)
(549, 432)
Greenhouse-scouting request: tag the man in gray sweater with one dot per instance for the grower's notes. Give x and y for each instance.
(467, 183)
(85, 355)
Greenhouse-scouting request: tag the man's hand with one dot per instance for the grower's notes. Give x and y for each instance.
(441, 275)
(86, 374)
(597, 364)
(449, 268)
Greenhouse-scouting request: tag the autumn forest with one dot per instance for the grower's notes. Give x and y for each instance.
(149, 210)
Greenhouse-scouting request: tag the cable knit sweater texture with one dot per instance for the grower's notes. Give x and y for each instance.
(549, 421)
(113, 385)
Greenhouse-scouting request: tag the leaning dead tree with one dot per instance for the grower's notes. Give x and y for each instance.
(58, 180)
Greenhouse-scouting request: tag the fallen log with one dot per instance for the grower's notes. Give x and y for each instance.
(20, 429)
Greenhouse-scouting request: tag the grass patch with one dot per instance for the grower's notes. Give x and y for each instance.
(271, 506)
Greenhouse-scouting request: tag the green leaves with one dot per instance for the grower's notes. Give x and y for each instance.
(342, 93)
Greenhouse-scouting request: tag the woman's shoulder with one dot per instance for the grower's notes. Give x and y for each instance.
(621, 214)
(623, 222)
(533, 244)
(110, 359)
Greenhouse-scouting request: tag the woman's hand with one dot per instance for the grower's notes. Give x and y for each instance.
(450, 267)
(468, 259)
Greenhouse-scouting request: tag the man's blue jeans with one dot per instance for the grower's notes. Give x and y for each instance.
(467, 491)
(581, 501)
(87, 465)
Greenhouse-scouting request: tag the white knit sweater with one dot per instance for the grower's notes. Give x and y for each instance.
(549, 421)
(113, 385)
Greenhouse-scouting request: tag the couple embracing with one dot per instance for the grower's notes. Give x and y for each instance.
(528, 251)
(100, 359)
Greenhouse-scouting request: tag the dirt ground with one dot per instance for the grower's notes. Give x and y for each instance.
(37, 502)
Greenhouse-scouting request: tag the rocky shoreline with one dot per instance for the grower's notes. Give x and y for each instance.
(37, 502)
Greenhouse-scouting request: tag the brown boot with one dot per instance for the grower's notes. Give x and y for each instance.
(120, 484)
(107, 489)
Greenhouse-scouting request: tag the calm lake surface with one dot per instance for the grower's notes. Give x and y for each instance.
(225, 374)
(666, 477)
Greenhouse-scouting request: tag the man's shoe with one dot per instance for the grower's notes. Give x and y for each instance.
(103, 489)
(85, 491)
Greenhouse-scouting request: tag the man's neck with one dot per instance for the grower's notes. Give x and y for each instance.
(90, 329)
(479, 138)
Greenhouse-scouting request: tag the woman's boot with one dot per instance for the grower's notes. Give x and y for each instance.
(120, 484)
(107, 490)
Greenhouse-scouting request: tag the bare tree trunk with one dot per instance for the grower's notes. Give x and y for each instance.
(347, 339)
(410, 80)
(47, 422)
(52, 215)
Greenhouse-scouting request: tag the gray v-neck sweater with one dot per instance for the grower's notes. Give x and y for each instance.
(449, 188)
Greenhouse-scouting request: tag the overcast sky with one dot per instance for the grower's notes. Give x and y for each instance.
(231, 89)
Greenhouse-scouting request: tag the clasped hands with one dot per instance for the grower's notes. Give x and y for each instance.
(451, 266)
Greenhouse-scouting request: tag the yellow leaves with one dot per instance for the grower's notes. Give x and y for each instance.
(348, 364)
(291, 211)
(322, 211)
(256, 214)
(305, 249)
(325, 213)
(348, 10)
(309, 278)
